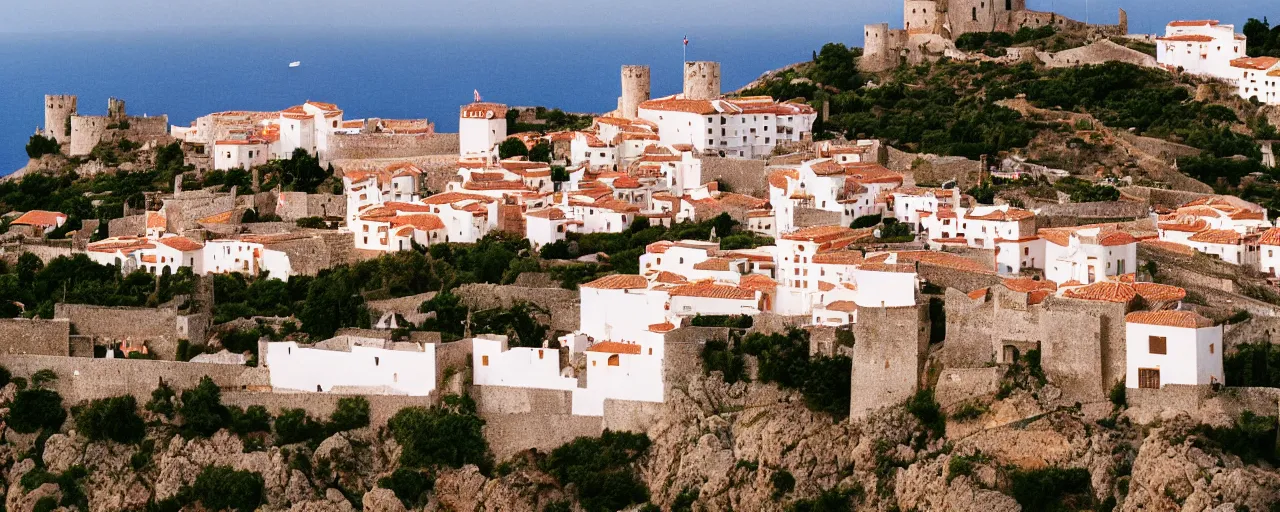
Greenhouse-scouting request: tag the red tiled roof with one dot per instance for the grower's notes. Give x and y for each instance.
(666, 277)
(549, 213)
(662, 327)
(680, 105)
(618, 282)
(713, 264)
(1183, 319)
(155, 220)
(1187, 38)
(1192, 227)
(778, 179)
(711, 290)
(40, 218)
(1255, 63)
(757, 282)
(1026, 285)
(1216, 236)
(1012, 214)
(1116, 238)
(181, 243)
(819, 234)
(1108, 291)
(838, 258)
(846, 306)
(420, 221)
(943, 259)
(1192, 23)
(614, 347)
(1270, 237)
(980, 293)
(1153, 292)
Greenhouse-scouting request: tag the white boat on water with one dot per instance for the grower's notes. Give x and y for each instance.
(295, 63)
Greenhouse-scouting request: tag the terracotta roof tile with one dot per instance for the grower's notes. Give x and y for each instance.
(1270, 237)
(662, 327)
(618, 282)
(614, 347)
(712, 290)
(838, 258)
(1153, 292)
(757, 282)
(40, 218)
(980, 293)
(943, 259)
(1192, 23)
(713, 264)
(1026, 285)
(680, 105)
(1255, 63)
(1217, 236)
(1187, 38)
(1164, 245)
(666, 277)
(1183, 319)
(846, 306)
(181, 243)
(155, 220)
(1107, 291)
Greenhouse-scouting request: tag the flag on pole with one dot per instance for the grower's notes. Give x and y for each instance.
(477, 94)
(686, 40)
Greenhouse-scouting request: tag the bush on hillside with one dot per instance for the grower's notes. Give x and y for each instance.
(202, 411)
(444, 435)
(36, 409)
(601, 470)
(224, 488)
(114, 418)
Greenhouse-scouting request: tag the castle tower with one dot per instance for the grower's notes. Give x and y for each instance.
(702, 80)
(635, 90)
(58, 110)
(1124, 22)
(115, 109)
(481, 128)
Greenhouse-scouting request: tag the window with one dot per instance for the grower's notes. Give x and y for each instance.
(540, 354)
(484, 360)
(1157, 345)
(1149, 378)
(1210, 348)
(376, 361)
(975, 14)
(613, 360)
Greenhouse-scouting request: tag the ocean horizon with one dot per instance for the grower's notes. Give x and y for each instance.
(419, 73)
(387, 75)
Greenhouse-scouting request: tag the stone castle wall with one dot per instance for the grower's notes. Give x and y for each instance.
(35, 337)
(742, 176)
(383, 145)
(86, 132)
(948, 277)
(45, 252)
(291, 206)
(82, 378)
(888, 358)
(562, 305)
(158, 327)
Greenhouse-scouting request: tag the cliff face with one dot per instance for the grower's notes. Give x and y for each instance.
(730, 447)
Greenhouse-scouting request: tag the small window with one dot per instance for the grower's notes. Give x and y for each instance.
(484, 360)
(1210, 348)
(613, 360)
(539, 354)
(1157, 345)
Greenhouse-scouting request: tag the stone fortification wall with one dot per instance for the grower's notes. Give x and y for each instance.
(382, 145)
(1164, 197)
(452, 358)
(132, 225)
(158, 327)
(628, 416)
(948, 277)
(956, 385)
(292, 206)
(322, 405)
(1076, 214)
(1265, 329)
(771, 323)
(809, 217)
(1097, 53)
(518, 419)
(561, 304)
(438, 170)
(88, 379)
(86, 132)
(45, 251)
(35, 337)
(742, 176)
(1202, 403)
(933, 169)
(888, 357)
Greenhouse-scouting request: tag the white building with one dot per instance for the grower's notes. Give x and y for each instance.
(399, 182)
(1172, 347)
(496, 364)
(481, 128)
(40, 221)
(736, 128)
(240, 154)
(981, 227)
(1227, 245)
(353, 365)
(1269, 252)
(1202, 47)
(394, 226)
(1087, 254)
(1258, 78)
(618, 371)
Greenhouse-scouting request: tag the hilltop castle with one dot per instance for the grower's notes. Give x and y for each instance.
(931, 26)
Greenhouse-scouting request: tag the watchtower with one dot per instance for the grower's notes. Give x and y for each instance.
(58, 109)
(635, 90)
(702, 80)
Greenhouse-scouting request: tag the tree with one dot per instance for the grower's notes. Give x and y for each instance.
(224, 488)
(601, 469)
(169, 157)
(202, 411)
(302, 172)
(444, 435)
(247, 421)
(559, 174)
(512, 147)
(35, 409)
(409, 485)
(541, 152)
(295, 426)
(40, 145)
(332, 303)
(114, 418)
(351, 413)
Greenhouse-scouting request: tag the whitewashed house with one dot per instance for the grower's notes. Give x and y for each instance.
(1087, 254)
(353, 365)
(1172, 347)
(1202, 47)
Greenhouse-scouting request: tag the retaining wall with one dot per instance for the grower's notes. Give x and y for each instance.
(35, 337)
(382, 145)
(89, 379)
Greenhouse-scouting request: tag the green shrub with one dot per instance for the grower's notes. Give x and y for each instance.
(39, 145)
(313, 223)
(1252, 438)
(685, 500)
(114, 418)
(409, 485)
(1118, 395)
(733, 321)
(969, 410)
(41, 378)
(449, 434)
(717, 356)
(5, 376)
(45, 504)
(831, 500)
(352, 413)
(783, 482)
(202, 411)
(161, 400)
(866, 221)
(963, 465)
(224, 488)
(923, 406)
(35, 409)
(784, 360)
(247, 421)
(1052, 489)
(1253, 364)
(296, 426)
(601, 470)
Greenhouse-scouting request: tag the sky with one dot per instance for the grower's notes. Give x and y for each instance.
(52, 17)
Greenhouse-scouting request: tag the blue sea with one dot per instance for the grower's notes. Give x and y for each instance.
(368, 75)
(408, 73)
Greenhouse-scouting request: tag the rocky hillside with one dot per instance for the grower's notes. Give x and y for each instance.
(715, 447)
